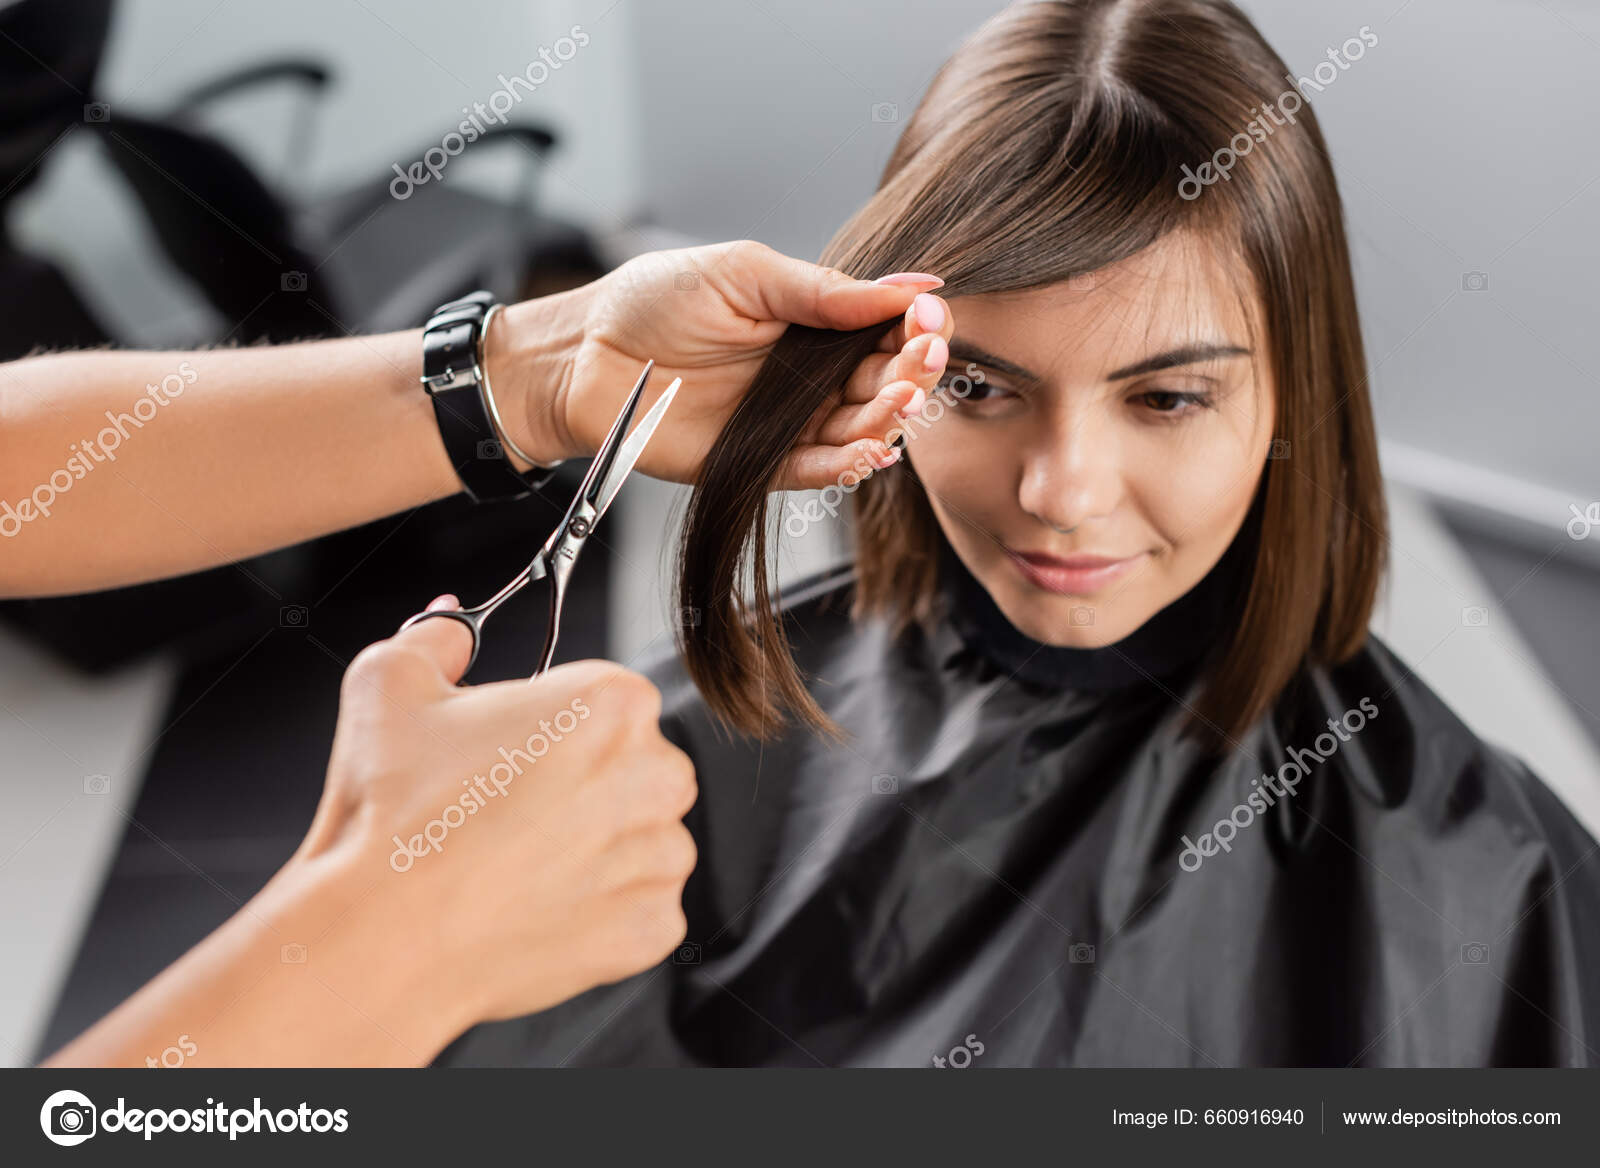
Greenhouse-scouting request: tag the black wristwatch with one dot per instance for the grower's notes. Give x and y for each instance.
(451, 343)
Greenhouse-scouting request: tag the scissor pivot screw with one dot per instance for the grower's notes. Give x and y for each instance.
(580, 528)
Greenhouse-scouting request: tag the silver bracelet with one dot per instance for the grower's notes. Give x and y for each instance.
(488, 398)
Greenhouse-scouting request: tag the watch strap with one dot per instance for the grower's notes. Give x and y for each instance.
(454, 381)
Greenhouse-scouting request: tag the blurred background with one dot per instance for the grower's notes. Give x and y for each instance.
(191, 172)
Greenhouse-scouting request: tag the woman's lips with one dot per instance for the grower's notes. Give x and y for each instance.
(1082, 575)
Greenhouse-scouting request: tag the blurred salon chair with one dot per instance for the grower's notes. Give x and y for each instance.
(276, 265)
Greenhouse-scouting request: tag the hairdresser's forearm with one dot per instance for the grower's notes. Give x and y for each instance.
(233, 453)
(303, 975)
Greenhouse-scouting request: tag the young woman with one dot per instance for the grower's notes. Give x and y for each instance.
(1090, 758)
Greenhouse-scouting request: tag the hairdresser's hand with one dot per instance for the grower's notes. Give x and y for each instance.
(478, 854)
(709, 315)
(540, 845)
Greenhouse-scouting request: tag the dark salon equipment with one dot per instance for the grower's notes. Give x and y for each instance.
(275, 266)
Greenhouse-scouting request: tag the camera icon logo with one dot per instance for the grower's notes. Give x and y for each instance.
(96, 784)
(689, 618)
(292, 954)
(1475, 953)
(687, 953)
(686, 281)
(293, 616)
(885, 784)
(1475, 281)
(67, 1118)
(292, 282)
(885, 111)
(1475, 616)
(97, 111)
(490, 449)
(1082, 616)
(1081, 953)
(1279, 449)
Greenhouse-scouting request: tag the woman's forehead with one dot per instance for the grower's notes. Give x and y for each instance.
(1170, 296)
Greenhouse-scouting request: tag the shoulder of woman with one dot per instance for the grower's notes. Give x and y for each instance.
(1397, 745)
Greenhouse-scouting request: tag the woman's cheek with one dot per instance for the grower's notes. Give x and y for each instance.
(964, 473)
(1198, 494)
(936, 459)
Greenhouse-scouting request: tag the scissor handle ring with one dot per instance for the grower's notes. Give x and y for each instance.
(472, 620)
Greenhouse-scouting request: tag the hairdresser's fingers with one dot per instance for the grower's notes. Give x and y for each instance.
(921, 362)
(766, 285)
(655, 852)
(927, 313)
(877, 419)
(444, 643)
(818, 466)
(868, 378)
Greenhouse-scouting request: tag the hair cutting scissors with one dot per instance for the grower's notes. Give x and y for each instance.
(555, 560)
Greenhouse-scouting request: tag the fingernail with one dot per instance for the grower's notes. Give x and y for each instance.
(889, 457)
(448, 600)
(918, 399)
(911, 278)
(938, 353)
(929, 312)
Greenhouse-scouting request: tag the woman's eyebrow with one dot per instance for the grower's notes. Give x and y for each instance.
(1188, 355)
(961, 350)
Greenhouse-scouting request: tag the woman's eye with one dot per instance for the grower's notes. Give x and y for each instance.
(963, 388)
(1172, 401)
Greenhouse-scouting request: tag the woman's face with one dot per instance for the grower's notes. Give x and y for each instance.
(1112, 450)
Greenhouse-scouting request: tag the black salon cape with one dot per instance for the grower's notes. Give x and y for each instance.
(988, 873)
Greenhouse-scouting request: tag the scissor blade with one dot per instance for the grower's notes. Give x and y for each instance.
(594, 479)
(633, 448)
(605, 457)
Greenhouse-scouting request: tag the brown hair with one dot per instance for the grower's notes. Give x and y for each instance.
(1051, 144)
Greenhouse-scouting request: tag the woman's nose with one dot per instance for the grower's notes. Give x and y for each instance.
(1071, 473)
